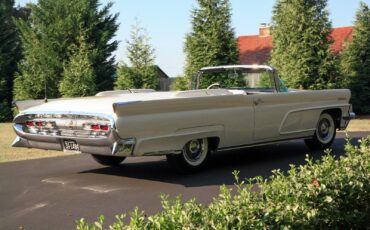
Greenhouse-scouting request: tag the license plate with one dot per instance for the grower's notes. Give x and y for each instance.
(71, 145)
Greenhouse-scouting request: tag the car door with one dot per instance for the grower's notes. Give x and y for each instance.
(283, 114)
(269, 112)
(270, 108)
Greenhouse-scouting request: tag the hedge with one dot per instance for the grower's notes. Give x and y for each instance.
(330, 193)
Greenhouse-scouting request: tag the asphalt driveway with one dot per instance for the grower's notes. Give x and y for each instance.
(52, 193)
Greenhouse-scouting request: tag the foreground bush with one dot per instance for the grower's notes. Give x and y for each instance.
(328, 193)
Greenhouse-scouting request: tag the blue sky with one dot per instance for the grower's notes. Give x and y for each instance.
(167, 22)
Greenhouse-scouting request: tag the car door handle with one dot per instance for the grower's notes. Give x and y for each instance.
(258, 101)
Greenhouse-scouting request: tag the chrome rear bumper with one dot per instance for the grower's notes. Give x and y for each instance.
(350, 116)
(111, 145)
(346, 119)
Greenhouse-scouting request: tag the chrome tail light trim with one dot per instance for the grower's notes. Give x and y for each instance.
(65, 124)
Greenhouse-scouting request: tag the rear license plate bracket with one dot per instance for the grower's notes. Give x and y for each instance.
(71, 145)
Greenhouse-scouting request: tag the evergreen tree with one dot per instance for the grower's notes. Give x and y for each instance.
(142, 73)
(78, 75)
(54, 27)
(211, 41)
(355, 62)
(7, 39)
(127, 78)
(180, 83)
(150, 77)
(10, 54)
(301, 44)
(139, 51)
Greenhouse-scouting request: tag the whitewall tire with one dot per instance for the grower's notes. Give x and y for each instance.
(324, 134)
(193, 157)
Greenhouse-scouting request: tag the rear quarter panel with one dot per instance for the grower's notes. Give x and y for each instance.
(168, 124)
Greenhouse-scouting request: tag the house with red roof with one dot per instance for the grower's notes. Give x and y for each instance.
(256, 49)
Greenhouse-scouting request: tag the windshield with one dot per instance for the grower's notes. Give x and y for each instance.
(235, 78)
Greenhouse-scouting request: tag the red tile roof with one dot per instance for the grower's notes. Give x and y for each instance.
(255, 49)
(340, 35)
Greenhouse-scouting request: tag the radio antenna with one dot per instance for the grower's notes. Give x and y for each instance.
(45, 91)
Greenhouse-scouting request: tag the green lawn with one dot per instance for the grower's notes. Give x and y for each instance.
(359, 124)
(8, 153)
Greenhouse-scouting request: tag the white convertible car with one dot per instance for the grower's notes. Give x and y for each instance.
(229, 107)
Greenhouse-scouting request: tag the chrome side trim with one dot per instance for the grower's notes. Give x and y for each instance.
(298, 131)
(161, 153)
(260, 144)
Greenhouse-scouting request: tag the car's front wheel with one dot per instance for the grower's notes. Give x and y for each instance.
(193, 157)
(108, 160)
(324, 134)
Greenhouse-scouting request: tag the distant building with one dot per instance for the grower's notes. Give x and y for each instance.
(256, 49)
(164, 80)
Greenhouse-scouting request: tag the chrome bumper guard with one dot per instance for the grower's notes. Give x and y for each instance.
(350, 116)
(346, 119)
(111, 145)
(124, 147)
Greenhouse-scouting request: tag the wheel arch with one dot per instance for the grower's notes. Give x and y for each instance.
(213, 143)
(336, 113)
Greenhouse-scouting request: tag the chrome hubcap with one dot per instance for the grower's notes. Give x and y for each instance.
(194, 146)
(325, 130)
(195, 151)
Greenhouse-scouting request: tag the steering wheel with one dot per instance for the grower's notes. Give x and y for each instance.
(217, 85)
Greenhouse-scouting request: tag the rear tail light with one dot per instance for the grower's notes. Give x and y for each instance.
(95, 127)
(49, 127)
(104, 127)
(40, 124)
(42, 127)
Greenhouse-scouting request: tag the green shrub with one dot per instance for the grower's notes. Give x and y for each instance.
(180, 83)
(328, 193)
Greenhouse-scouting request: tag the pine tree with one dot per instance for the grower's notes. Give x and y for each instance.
(301, 44)
(55, 26)
(78, 75)
(10, 53)
(355, 62)
(141, 73)
(139, 51)
(211, 41)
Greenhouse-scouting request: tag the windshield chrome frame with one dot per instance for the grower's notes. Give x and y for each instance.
(195, 82)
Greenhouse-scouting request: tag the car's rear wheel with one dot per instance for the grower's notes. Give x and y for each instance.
(324, 134)
(193, 157)
(108, 160)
